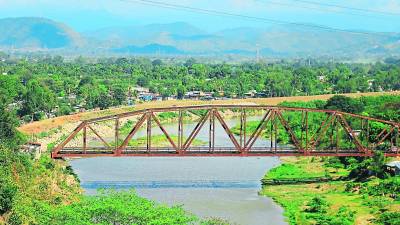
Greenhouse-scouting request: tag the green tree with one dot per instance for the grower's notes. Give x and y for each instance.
(345, 104)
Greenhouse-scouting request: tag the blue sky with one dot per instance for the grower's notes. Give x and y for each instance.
(94, 14)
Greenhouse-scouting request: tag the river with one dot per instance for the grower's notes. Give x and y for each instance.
(224, 187)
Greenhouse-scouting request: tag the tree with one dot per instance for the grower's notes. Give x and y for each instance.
(119, 95)
(37, 99)
(9, 135)
(345, 104)
(181, 90)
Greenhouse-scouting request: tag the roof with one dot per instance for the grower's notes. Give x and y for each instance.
(394, 164)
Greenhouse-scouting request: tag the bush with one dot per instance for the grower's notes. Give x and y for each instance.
(389, 218)
(317, 205)
(7, 194)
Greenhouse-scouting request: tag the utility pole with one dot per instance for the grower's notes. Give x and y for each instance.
(257, 53)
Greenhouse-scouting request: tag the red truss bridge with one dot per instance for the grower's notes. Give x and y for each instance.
(286, 132)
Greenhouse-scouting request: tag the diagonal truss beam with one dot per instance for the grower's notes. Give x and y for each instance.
(228, 131)
(131, 133)
(322, 130)
(259, 127)
(351, 133)
(386, 136)
(268, 115)
(68, 139)
(97, 134)
(165, 132)
(289, 130)
(195, 131)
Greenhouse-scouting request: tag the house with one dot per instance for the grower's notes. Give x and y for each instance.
(141, 90)
(250, 94)
(194, 95)
(393, 168)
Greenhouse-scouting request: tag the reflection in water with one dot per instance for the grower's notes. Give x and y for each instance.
(224, 187)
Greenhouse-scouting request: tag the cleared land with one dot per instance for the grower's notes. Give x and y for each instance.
(48, 124)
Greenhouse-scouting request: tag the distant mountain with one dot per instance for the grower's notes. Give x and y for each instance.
(152, 49)
(182, 38)
(37, 33)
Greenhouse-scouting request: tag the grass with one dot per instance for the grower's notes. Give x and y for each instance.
(295, 197)
(304, 167)
(161, 141)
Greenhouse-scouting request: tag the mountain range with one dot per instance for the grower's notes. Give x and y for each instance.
(31, 34)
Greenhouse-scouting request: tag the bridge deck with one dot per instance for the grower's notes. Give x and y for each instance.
(72, 152)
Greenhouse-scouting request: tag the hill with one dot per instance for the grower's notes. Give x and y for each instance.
(36, 33)
(184, 39)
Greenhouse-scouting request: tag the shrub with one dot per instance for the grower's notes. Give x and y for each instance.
(7, 194)
(389, 218)
(317, 205)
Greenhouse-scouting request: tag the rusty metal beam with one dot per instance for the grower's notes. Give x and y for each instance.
(351, 133)
(259, 128)
(227, 130)
(97, 134)
(289, 130)
(165, 133)
(273, 114)
(268, 115)
(131, 133)
(195, 131)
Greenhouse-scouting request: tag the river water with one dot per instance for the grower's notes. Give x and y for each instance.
(224, 187)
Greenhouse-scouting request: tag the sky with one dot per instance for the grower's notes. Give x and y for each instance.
(87, 15)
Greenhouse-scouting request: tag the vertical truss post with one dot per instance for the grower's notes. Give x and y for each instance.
(244, 128)
(271, 133)
(368, 135)
(180, 131)
(302, 129)
(241, 129)
(337, 135)
(116, 134)
(306, 150)
(84, 139)
(396, 140)
(211, 131)
(331, 137)
(276, 135)
(148, 116)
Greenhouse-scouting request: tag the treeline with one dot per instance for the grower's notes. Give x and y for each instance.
(37, 88)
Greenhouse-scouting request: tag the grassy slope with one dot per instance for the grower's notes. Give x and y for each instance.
(294, 198)
(44, 125)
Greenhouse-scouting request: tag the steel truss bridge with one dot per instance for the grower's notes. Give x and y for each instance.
(309, 132)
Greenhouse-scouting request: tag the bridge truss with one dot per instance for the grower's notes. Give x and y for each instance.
(289, 131)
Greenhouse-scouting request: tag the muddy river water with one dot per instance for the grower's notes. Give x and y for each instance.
(224, 187)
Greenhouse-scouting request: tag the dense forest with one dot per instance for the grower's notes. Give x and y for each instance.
(37, 88)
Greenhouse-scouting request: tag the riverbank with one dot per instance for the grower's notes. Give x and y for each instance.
(332, 202)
